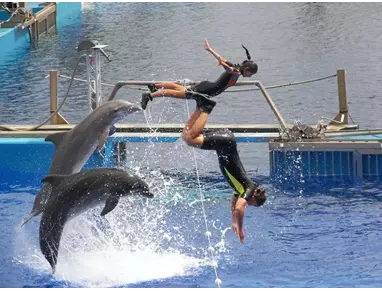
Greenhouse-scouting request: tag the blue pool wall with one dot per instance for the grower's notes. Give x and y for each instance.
(13, 39)
(350, 165)
(27, 160)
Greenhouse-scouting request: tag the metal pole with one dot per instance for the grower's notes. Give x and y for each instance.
(342, 116)
(98, 89)
(272, 105)
(53, 87)
(57, 118)
(88, 72)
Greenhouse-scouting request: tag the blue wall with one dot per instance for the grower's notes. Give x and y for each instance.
(3, 15)
(12, 39)
(28, 160)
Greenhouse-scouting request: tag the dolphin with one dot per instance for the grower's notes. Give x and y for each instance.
(74, 147)
(76, 193)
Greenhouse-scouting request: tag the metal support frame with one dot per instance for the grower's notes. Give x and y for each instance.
(342, 116)
(93, 70)
(272, 105)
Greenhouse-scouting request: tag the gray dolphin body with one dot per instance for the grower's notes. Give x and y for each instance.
(79, 192)
(73, 148)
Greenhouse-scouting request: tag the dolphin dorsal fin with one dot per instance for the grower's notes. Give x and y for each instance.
(55, 137)
(53, 180)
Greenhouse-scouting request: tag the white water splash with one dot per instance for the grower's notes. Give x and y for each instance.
(109, 267)
(132, 244)
(125, 248)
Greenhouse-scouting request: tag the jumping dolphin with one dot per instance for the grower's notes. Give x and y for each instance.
(73, 148)
(76, 193)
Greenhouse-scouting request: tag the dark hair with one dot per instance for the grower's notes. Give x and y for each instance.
(249, 65)
(259, 195)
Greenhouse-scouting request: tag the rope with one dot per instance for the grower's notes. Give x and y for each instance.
(104, 84)
(283, 85)
(207, 233)
(228, 91)
(55, 112)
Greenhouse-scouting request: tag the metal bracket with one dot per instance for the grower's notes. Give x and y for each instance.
(93, 67)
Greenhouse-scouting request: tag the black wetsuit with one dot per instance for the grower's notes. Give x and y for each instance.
(224, 142)
(225, 80)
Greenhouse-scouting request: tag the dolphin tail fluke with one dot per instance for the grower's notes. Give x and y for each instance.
(50, 236)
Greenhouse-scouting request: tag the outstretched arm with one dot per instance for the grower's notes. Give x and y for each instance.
(238, 208)
(222, 61)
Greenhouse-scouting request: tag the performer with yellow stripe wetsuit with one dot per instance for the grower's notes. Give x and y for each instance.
(227, 79)
(246, 192)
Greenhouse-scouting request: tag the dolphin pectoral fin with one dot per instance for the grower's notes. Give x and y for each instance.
(110, 204)
(102, 139)
(30, 216)
(55, 137)
(112, 130)
(26, 219)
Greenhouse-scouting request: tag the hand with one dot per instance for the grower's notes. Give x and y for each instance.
(206, 45)
(241, 236)
(239, 233)
(235, 228)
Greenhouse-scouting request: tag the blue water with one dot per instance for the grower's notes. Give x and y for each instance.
(306, 235)
(328, 237)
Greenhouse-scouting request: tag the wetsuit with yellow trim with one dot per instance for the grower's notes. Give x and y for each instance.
(224, 142)
(226, 80)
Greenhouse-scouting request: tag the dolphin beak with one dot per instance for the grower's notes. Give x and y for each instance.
(134, 108)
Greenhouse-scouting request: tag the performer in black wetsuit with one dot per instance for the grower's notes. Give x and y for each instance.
(246, 192)
(224, 143)
(226, 80)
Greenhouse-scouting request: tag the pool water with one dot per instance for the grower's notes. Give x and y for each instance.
(324, 237)
(306, 234)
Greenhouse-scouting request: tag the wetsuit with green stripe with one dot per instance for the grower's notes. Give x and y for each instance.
(224, 142)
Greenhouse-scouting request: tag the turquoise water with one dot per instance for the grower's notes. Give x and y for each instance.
(360, 137)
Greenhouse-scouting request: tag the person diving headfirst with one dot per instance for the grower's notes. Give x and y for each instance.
(227, 79)
(246, 191)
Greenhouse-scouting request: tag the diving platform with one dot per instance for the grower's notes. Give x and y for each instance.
(346, 155)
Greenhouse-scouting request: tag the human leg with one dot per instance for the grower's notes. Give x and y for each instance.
(193, 131)
(164, 89)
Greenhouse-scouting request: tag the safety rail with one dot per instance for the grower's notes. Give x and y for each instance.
(93, 51)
